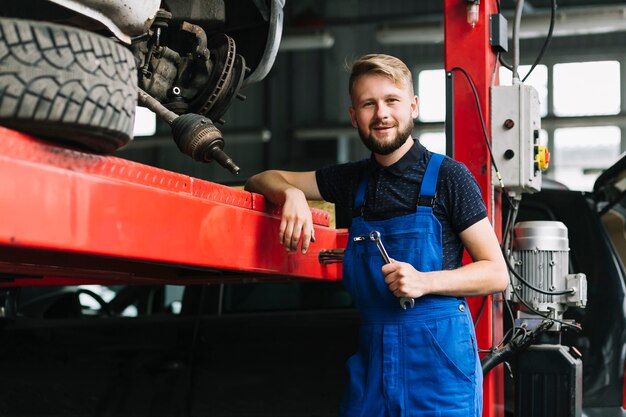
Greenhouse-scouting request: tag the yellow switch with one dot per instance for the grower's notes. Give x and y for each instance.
(542, 157)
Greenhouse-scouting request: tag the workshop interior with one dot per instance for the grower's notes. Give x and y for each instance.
(139, 278)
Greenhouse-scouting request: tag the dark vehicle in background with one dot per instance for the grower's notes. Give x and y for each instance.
(208, 350)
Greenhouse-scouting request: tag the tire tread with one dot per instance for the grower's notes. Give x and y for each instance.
(78, 83)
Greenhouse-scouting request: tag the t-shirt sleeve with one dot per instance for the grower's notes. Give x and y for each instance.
(337, 183)
(463, 200)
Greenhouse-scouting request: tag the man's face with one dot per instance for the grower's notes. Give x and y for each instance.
(383, 112)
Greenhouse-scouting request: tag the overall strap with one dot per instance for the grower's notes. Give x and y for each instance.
(428, 190)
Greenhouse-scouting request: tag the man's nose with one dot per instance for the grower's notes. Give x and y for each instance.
(382, 111)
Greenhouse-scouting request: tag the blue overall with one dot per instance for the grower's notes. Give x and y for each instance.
(415, 362)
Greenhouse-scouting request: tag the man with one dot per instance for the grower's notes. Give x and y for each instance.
(421, 361)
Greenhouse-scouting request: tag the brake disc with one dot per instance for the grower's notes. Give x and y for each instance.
(225, 81)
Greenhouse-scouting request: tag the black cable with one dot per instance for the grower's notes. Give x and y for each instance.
(546, 43)
(508, 307)
(532, 287)
(508, 234)
(495, 347)
(505, 242)
(482, 121)
(510, 220)
(538, 313)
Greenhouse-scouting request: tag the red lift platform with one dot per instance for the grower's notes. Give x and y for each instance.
(71, 217)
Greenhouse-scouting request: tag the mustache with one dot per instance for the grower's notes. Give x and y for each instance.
(379, 125)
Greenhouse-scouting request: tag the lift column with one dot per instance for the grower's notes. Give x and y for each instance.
(467, 47)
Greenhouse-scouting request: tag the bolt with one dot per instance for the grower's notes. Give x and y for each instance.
(508, 123)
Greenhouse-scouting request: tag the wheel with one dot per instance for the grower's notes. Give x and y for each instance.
(66, 84)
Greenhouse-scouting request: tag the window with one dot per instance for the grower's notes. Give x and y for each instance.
(587, 88)
(434, 141)
(580, 154)
(577, 90)
(431, 90)
(145, 122)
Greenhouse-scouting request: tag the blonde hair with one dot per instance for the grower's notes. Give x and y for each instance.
(381, 64)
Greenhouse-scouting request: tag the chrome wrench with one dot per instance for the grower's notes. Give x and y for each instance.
(375, 236)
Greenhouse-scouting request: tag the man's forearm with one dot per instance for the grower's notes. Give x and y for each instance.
(277, 185)
(477, 278)
(271, 184)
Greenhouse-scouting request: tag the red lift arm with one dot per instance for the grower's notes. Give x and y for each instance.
(70, 217)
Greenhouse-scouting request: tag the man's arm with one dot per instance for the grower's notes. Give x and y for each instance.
(291, 190)
(486, 275)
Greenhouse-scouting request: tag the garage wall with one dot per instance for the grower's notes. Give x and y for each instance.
(306, 91)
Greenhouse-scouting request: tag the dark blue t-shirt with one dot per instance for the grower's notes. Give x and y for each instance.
(393, 191)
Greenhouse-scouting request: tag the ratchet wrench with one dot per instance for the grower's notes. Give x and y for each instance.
(375, 236)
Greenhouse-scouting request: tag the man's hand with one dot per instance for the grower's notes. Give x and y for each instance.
(291, 190)
(404, 280)
(296, 221)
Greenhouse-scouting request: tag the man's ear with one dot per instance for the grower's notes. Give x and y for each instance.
(414, 107)
(352, 113)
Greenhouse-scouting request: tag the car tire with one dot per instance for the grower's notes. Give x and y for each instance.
(66, 84)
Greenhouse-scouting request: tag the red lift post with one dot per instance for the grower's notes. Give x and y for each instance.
(468, 47)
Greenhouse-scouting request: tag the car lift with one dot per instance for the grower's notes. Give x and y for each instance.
(69, 217)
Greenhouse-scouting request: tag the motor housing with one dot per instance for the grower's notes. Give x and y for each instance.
(540, 256)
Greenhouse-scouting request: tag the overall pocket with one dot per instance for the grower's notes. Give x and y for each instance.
(440, 367)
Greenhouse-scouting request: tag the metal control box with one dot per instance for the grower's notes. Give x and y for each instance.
(515, 126)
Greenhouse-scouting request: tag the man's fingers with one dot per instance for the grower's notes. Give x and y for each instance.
(286, 234)
(307, 238)
(281, 231)
(294, 229)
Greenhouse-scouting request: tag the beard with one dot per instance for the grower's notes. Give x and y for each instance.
(385, 148)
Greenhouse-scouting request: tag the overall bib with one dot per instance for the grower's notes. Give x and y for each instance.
(415, 362)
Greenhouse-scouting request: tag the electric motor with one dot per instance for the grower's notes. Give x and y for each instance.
(540, 256)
